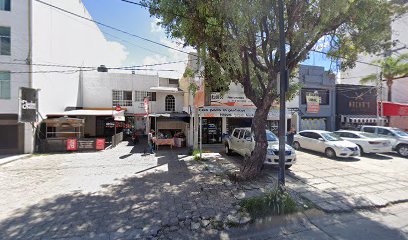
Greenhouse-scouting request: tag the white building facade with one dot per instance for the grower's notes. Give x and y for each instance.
(14, 53)
(44, 48)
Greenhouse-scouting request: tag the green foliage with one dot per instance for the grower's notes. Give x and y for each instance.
(391, 67)
(272, 203)
(196, 155)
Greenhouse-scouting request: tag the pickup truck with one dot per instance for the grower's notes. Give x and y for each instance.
(242, 142)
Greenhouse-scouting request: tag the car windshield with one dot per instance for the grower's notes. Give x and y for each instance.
(331, 137)
(369, 135)
(400, 133)
(270, 137)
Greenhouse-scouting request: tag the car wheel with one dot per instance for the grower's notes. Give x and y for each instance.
(361, 149)
(288, 166)
(330, 153)
(403, 150)
(227, 150)
(296, 146)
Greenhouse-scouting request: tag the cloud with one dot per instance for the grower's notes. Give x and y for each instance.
(154, 27)
(170, 55)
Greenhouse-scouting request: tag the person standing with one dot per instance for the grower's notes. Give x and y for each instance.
(150, 141)
(290, 136)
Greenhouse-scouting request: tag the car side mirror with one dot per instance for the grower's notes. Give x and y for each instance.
(321, 139)
(248, 139)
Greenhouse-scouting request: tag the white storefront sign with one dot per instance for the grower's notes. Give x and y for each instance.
(234, 112)
(230, 100)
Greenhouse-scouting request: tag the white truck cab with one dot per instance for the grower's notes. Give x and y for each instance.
(242, 142)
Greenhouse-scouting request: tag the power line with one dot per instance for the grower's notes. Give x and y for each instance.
(113, 28)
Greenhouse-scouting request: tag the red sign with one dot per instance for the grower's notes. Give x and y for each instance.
(100, 144)
(118, 108)
(393, 109)
(313, 104)
(72, 144)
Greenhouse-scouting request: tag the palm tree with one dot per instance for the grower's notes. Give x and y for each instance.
(392, 69)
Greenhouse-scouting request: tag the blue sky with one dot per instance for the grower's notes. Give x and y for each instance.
(136, 20)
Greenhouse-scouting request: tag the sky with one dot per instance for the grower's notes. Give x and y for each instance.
(136, 20)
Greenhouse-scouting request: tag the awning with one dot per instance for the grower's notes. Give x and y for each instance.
(183, 116)
(362, 119)
(64, 122)
(394, 109)
(82, 112)
(166, 89)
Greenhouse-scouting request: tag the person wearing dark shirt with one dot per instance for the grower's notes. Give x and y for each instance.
(290, 136)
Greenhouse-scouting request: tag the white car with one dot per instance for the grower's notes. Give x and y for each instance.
(242, 142)
(397, 137)
(325, 142)
(367, 142)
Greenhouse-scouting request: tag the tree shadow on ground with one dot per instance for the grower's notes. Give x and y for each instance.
(167, 201)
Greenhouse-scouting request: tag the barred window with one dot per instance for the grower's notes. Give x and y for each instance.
(170, 103)
(121, 98)
(5, 41)
(140, 96)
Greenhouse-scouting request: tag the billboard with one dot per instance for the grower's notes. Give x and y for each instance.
(230, 100)
(28, 105)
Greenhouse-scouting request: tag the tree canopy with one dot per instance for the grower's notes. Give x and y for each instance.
(238, 40)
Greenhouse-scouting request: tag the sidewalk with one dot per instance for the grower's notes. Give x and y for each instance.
(10, 158)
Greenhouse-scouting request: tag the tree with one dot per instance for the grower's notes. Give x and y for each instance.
(239, 41)
(392, 68)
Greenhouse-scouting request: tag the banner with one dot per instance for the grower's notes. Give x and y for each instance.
(119, 116)
(245, 112)
(393, 109)
(199, 97)
(28, 105)
(313, 104)
(72, 144)
(231, 100)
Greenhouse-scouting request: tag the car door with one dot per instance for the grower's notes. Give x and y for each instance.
(303, 140)
(235, 140)
(315, 143)
(246, 144)
(385, 133)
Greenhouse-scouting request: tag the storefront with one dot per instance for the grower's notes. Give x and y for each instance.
(170, 128)
(220, 121)
(356, 106)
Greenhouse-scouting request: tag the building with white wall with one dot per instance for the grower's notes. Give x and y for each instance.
(14, 53)
(43, 48)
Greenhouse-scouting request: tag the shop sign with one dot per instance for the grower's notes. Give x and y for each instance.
(230, 100)
(28, 105)
(72, 144)
(233, 112)
(100, 144)
(394, 109)
(119, 116)
(86, 144)
(313, 104)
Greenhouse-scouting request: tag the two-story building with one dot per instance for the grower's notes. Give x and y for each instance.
(319, 85)
(146, 101)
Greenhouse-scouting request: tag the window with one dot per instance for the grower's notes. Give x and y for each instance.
(322, 93)
(170, 103)
(247, 135)
(173, 81)
(369, 129)
(241, 136)
(4, 85)
(140, 96)
(314, 135)
(236, 133)
(5, 41)
(5, 5)
(384, 131)
(121, 98)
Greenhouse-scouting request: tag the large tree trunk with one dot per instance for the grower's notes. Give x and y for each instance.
(389, 92)
(252, 165)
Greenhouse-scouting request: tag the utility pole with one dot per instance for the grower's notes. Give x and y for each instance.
(282, 96)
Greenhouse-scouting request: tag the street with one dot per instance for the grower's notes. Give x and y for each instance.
(122, 194)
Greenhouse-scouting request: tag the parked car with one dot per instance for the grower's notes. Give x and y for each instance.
(325, 142)
(398, 138)
(367, 142)
(242, 142)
